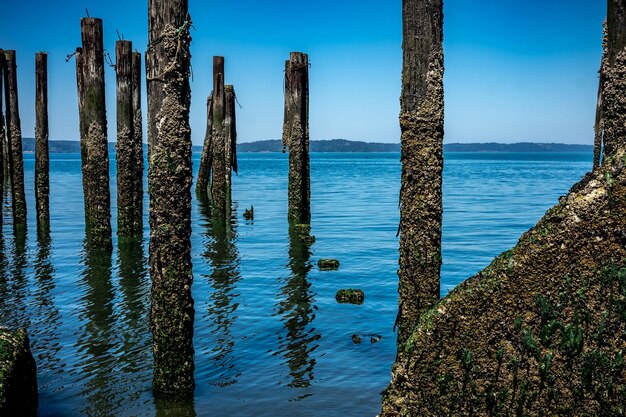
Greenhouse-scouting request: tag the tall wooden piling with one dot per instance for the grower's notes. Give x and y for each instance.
(421, 123)
(599, 122)
(614, 87)
(2, 130)
(296, 136)
(93, 133)
(14, 134)
(204, 172)
(128, 220)
(168, 62)
(42, 162)
(219, 190)
(230, 127)
(137, 145)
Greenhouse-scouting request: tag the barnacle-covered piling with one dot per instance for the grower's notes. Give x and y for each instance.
(204, 172)
(230, 127)
(14, 136)
(296, 136)
(42, 161)
(137, 145)
(219, 189)
(93, 133)
(129, 224)
(421, 123)
(168, 62)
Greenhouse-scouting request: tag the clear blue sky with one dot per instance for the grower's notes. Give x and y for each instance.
(515, 70)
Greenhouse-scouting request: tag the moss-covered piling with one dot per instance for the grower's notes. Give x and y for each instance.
(18, 375)
(2, 131)
(296, 136)
(93, 133)
(42, 161)
(204, 172)
(168, 62)
(421, 123)
(230, 126)
(14, 135)
(137, 145)
(219, 187)
(129, 222)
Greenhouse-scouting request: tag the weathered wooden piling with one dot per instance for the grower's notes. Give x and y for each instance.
(614, 87)
(14, 135)
(204, 172)
(219, 188)
(168, 62)
(599, 122)
(421, 122)
(129, 223)
(137, 144)
(42, 162)
(230, 126)
(93, 133)
(2, 131)
(296, 136)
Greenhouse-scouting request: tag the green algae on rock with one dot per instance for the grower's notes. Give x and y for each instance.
(18, 375)
(328, 264)
(350, 296)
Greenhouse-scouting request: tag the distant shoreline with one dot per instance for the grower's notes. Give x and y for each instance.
(342, 145)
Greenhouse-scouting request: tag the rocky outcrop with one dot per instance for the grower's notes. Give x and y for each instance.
(540, 331)
(18, 375)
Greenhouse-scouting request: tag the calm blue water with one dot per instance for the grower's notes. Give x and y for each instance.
(270, 338)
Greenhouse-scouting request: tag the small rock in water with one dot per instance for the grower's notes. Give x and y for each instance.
(356, 339)
(375, 338)
(350, 296)
(328, 264)
(249, 214)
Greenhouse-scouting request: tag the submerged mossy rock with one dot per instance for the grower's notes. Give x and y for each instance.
(18, 375)
(540, 331)
(327, 264)
(350, 296)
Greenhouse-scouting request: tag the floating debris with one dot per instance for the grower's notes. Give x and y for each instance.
(350, 296)
(327, 264)
(249, 214)
(375, 338)
(356, 339)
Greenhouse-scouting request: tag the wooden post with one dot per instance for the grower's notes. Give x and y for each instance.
(218, 139)
(230, 126)
(128, 220)
(204, 172)
(2, 132)
(614, 88)
(14, 134)
(599, 123)
(93, 133)
(168, 63)
(296, 136)
(137, 145)
(42, 163)
(421, 122)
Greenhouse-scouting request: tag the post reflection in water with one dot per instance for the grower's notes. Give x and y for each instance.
(297, 311)
(133, 326)
(18, 288)
(223, 256)
(96, 344)
(46, 317)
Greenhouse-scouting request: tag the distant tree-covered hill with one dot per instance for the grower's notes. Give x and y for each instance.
(342, 145)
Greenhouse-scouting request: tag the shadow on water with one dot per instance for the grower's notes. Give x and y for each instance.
(166, 408)
(296, 309)
(223, 257)
(45, 340)
(133, 326)
(96, 343)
